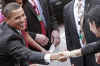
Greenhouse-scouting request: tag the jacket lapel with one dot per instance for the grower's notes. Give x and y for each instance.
(31, 8)
(20, 35)
(72, 16)
(73, 23)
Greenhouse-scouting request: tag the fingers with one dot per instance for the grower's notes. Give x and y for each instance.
(56, 41)
(61, 56)
(55, 38)
(62, 59)
(97, 58)
(42, 39)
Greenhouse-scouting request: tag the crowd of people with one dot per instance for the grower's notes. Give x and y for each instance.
(29, 32)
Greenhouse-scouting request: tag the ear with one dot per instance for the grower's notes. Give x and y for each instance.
(6, 20)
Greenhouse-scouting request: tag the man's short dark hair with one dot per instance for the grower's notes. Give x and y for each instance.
(9, 8)
(94, 15)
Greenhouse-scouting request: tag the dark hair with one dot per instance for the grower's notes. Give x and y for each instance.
(94, 15)
(5, 2)
(9, 8)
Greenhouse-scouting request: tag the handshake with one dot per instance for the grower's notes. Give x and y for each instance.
(64, 55)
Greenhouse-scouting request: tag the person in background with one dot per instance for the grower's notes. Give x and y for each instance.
(41, 25)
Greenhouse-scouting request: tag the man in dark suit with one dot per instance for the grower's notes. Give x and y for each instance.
(12, 46)
(72, 35)
(94, 26)
(34, 25)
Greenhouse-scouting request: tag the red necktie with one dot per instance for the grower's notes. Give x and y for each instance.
(43, 30)
(24, 34)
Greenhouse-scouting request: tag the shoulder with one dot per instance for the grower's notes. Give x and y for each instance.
(6, 33)
(68, 8)
(5, 30)
(69, 5)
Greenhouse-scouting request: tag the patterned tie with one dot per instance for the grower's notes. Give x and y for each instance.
(43, 30)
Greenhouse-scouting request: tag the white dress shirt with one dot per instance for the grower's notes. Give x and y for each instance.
(77, 14)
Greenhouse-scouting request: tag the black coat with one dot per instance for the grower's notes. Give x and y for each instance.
(13, 50)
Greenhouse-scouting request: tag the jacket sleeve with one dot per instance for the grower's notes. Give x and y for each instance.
(67, 25)
(91, 48)
(18, 50)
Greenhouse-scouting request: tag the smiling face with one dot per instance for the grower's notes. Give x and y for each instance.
(17, 19)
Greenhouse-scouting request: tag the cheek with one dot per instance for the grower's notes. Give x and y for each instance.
(12, 23)
(15, 24)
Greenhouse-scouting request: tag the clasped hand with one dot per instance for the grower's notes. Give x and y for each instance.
(61, 56)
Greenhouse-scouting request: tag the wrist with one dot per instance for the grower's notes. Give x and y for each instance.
(74, 53)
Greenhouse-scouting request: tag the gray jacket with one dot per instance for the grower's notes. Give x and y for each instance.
(13, 50)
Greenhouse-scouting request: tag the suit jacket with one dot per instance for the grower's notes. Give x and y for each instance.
(33, 23)
(13, 51)
(91, 48)
(72, 37)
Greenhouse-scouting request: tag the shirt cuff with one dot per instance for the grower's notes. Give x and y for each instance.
(47, 58)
